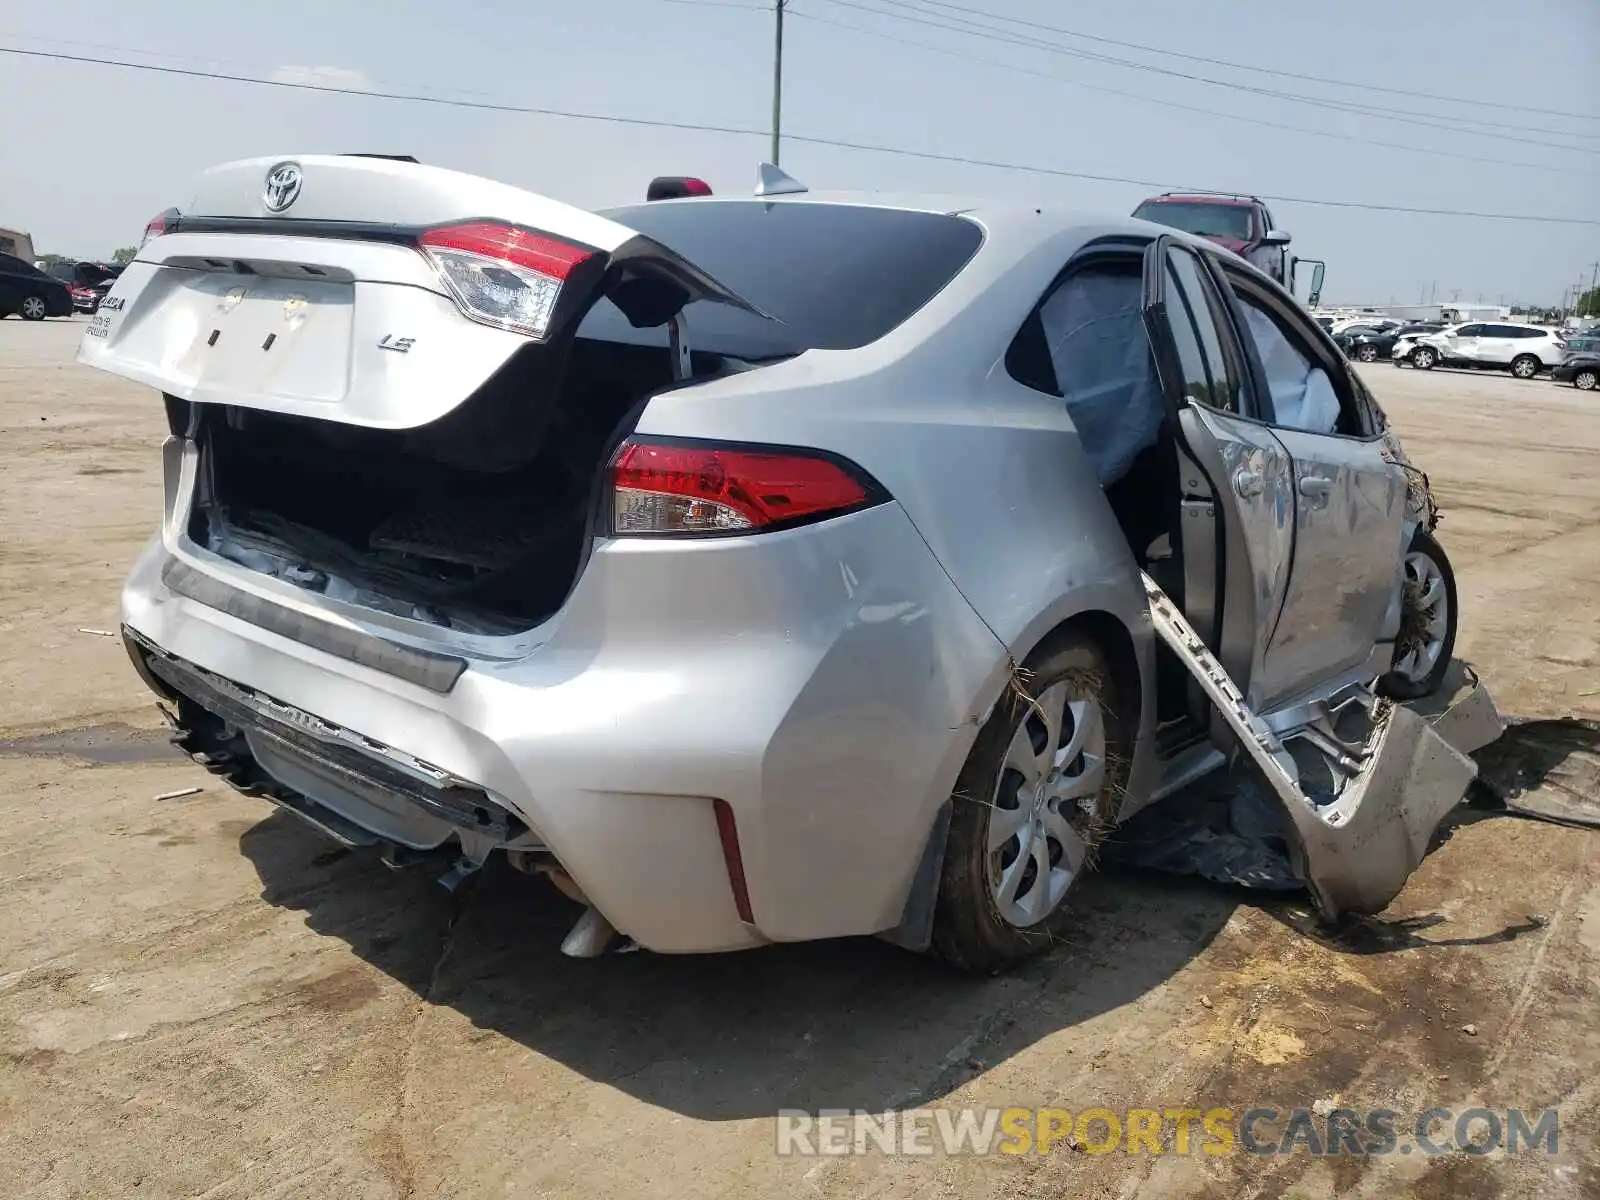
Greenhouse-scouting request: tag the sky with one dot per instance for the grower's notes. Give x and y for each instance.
(88, 153)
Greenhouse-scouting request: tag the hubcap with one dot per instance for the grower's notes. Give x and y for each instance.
(1046, 803)
(1586, 380)
(33, 307)
(1424, 358)
(1367, 353)
(1524, 369)
(1424, 619)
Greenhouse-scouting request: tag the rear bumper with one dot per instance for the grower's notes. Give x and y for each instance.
(823, 682)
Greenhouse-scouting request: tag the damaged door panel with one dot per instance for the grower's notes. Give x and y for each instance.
(1363, 783)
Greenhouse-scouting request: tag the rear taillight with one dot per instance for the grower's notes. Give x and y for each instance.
(669, 487)
(502, 275)
(159, 224)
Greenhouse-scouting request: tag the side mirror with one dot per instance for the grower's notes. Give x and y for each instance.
(1314, 296)
(1275, 237)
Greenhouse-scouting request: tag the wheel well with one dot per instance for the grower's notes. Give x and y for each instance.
(1112, 636)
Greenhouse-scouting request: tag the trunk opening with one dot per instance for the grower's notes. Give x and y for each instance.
(479, 522)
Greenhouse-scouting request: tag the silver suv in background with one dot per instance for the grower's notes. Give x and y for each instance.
(1524, 350)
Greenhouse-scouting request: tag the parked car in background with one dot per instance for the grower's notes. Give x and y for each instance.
(29, 292)
(1370, 345)
(1239, 223)
(1581, 370)
(1524, 350)
(87, 282)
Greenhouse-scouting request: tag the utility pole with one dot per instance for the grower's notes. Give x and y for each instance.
(777, 75)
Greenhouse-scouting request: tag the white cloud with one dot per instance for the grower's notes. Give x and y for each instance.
(333, 77)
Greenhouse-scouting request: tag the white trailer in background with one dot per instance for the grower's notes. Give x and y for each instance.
(17, 243)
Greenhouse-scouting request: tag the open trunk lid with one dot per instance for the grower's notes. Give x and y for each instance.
(368, 291)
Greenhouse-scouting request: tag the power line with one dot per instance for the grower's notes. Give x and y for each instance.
(1222, 62)
(1176, 104)
(973, 29)
(808, 139)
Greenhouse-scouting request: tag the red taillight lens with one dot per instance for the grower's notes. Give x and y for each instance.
(679, 487)
(501, 275)
(156, 226)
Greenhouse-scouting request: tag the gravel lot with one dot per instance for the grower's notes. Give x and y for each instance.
(198, 997)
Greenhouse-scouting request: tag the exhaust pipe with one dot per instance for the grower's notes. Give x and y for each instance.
(590, 937)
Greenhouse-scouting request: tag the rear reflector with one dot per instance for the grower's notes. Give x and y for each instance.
(501, 275)
(733, 859)
(689, 488)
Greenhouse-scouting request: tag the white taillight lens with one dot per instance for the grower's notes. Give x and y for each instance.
(503, 276)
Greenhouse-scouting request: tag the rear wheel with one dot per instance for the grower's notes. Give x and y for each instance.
(1038, 792)
(1427, 637)
(1367, 353)
(1586, 381)
(1423, 358)
(1525, 366)
(34, 308)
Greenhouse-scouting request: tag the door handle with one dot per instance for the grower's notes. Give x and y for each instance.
(1315, 485)
(1248, 484)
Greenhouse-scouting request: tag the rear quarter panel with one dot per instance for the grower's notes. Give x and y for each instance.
(990, 472)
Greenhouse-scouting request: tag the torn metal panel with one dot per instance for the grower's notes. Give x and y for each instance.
(1549, 770)
(1363, 784)
(1462, 712)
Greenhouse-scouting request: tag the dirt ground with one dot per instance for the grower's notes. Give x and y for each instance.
(199, 997)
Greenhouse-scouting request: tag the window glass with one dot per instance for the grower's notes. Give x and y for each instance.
(1470, 331)
(1303, 396)
(836, 276)
(1093, 328)
(1207, 378)
(1200, 217)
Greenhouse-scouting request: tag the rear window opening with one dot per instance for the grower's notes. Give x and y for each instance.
(478, 522)
(832, 276)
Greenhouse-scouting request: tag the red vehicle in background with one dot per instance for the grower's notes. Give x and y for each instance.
(1242, 224)
(87, 282)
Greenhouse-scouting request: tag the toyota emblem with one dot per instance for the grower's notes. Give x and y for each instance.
(283, 186)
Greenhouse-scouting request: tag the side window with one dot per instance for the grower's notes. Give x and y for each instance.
(1303, 395)
(1209, 375)
(1086, 343)
(1470, 331)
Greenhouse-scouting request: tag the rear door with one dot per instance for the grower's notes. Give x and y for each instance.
(1349, 502)
(1497, 345)
(1244, 465)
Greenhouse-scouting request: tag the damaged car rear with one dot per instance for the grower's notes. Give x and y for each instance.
(768, 568)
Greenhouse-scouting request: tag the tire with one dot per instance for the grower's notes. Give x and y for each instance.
(1424, 359)
(1425, 565)
(988, 916)
(1367, 353)
(1586, 381)
(34, 308)
(1526, 366)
